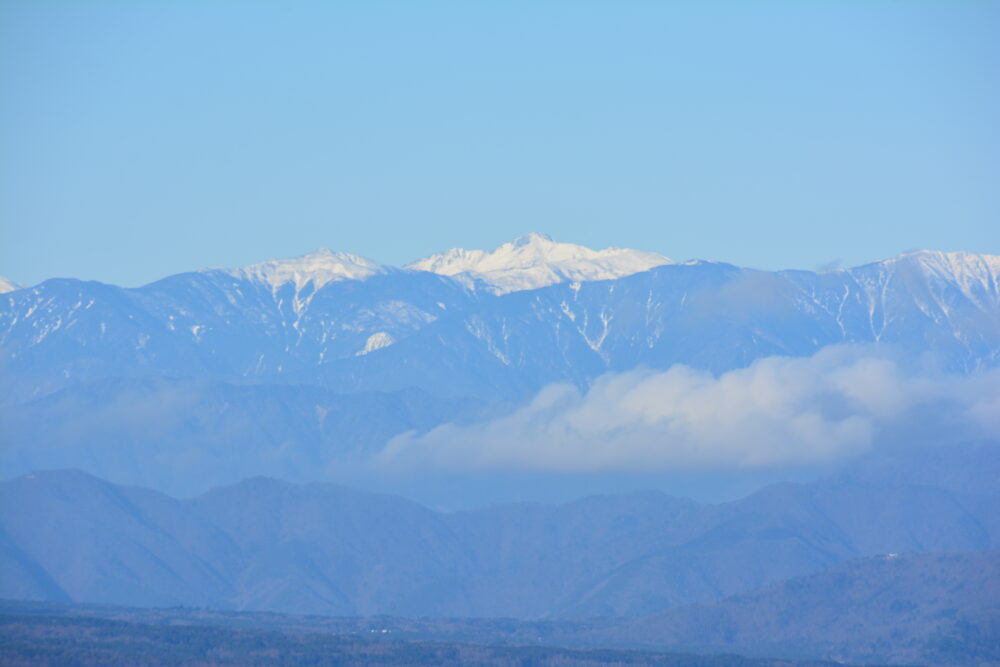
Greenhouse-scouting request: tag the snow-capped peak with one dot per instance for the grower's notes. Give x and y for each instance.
(8, 285)
(534, 261)
(972, 273)
(952, 264)
(319, 267)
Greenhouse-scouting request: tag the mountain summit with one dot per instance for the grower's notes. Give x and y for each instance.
(534, 261)
(528, 262)
(319, 267)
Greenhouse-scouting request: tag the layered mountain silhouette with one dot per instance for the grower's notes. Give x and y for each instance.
(199, 393)
(263, 544)
(288, 367)
(918, 608)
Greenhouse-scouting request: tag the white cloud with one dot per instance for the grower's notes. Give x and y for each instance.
(778, 411)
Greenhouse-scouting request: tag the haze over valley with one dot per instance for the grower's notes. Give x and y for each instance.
(499, 333)
(247, 396)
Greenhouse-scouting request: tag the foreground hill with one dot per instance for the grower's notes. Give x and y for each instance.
(939, 608)
(34, 638)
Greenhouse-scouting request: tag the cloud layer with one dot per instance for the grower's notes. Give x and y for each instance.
(779, 411)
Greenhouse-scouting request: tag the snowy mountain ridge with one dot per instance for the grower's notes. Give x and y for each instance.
(346, 322)
(320, 267)
(8, 285)
(534, 261)
(528, 262)
(964, 268)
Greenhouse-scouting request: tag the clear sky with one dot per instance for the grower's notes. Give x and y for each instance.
(140, 139)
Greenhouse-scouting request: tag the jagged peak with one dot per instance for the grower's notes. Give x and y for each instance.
(536, 260)
(531, 238)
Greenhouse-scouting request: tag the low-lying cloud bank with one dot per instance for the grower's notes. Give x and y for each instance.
(779, 411)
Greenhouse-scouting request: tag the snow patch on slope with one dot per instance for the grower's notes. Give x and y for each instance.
(320, 267)
(376, 341)
(962, 267)
(535, 261)
(8, 285)
(976, 276)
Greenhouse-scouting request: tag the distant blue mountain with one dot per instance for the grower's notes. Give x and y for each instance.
(187, 435)
(319, 548)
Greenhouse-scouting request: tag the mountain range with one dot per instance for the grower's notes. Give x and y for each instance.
(262, 544)
(871, 564)
(174, 444)
(919, 608)
(339, 320)
(324, 358)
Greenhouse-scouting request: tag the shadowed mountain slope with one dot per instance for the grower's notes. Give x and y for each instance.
(319, 548)
(937, 608)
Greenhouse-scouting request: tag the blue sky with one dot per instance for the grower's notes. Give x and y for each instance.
(143, 139)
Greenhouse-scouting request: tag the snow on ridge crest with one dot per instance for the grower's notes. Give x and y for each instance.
(534, 261)
(965, 269)
(976, 275)
(956, 263)
(320, 267)
(8, 285)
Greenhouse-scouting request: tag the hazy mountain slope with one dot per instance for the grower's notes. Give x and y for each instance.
(185, 436)
(104, 543)
(531, 558)
(318, 548)
(334, 550)
(963, 469)
(939, 608)
(24, 578)
(786, 530)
